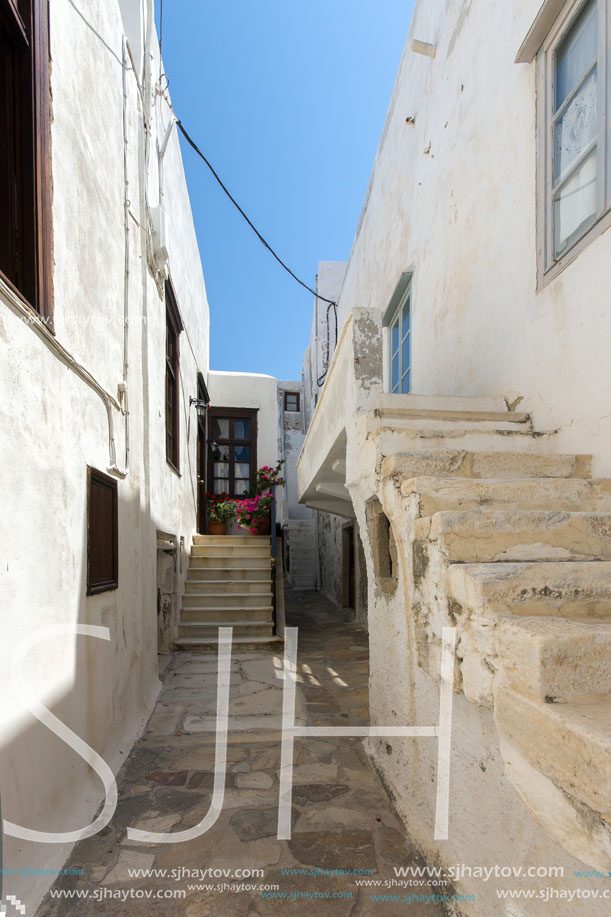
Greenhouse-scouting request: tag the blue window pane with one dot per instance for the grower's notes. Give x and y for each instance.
(577, 126)
(242, 429)
(577, 52)
(395, 337)
(242, 453)
(395, 372)
(405, 360)
(406, 318)
(405, 383)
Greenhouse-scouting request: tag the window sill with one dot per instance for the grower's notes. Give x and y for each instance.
(102, 587)
(174, 468)
(546, 276)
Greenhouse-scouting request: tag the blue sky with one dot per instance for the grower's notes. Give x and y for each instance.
(287, 99)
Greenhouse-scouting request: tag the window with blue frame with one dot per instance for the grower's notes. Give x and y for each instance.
(400, 346)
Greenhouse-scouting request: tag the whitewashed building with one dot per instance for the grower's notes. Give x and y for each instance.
(465, 414)
(104, 329)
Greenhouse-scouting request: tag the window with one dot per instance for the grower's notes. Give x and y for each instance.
(102, 533)
(25, 238)
(575, 143)
(399, 340)
(291, 401)
(172, 378)
(232, 459)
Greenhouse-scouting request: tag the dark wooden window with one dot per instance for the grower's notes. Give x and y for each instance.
(25, 232)
(232, 455)
(172, 378)
(291, 401)
(102, 533)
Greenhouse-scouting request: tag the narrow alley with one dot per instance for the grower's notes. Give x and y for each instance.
(343, 819)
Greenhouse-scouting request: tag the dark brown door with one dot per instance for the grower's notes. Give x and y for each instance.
(232, 450)
(351, 570)
(202, 395)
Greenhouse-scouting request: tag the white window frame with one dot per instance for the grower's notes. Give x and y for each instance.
(403, 293)
(548, 265)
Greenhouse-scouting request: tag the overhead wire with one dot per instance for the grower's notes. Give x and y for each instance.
(195, 147)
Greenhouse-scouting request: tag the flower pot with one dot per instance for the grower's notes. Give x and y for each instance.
(261, 528)
(217, 528)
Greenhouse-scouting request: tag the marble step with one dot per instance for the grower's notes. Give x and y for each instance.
(207, 640)
(230, 539)
(205, 614)
(231, 550)
(229, 561)
(204, 631)
(226, 599)
(435, 494)
(579, 590)
(228, 574)
(222, 586)
(488, 535)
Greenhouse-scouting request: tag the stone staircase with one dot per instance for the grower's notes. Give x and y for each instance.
(511, 544)
(228, 584)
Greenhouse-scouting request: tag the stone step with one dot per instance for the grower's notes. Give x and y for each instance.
(230, 539)
(227, 562)
(577, 590)
(201, 631)
(215, 586)
(555, 658)
(200, 574)
(206, 614)
(472, 536)
(226, 599)
(436, 494)
(231, 550)
(570, 743)
(205, 640)
(496, 465)
(417, 423)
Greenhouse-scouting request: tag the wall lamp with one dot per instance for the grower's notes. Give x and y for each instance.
(200, 406)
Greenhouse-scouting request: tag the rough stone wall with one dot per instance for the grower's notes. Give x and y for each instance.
(330, 555)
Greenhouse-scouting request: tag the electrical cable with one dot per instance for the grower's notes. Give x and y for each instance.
(252, 226)
(160, 26)
(322, 377)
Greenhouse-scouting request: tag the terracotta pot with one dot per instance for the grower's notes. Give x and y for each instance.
(217, 528)
(262, 527)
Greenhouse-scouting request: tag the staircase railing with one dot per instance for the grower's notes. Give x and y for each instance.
(274, 548)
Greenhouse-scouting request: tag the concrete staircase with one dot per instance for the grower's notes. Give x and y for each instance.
(228, 584)
(512, 546)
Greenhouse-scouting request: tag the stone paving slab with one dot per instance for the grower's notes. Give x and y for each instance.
(342, 818)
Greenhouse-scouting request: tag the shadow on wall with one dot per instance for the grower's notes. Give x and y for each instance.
(102, 690)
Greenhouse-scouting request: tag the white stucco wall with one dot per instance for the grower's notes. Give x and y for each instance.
(55, 424)
(291, 434)
(250, 390)
(452, 197)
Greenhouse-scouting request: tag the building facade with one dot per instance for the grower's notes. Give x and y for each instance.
(104, 325)
(464, 423)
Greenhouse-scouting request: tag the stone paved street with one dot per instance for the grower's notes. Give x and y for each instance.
(342, 816)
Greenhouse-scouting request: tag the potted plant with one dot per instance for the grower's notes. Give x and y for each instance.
(254, 511)
(222, 510)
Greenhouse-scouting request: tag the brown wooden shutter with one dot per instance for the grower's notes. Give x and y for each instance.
(102, 533)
